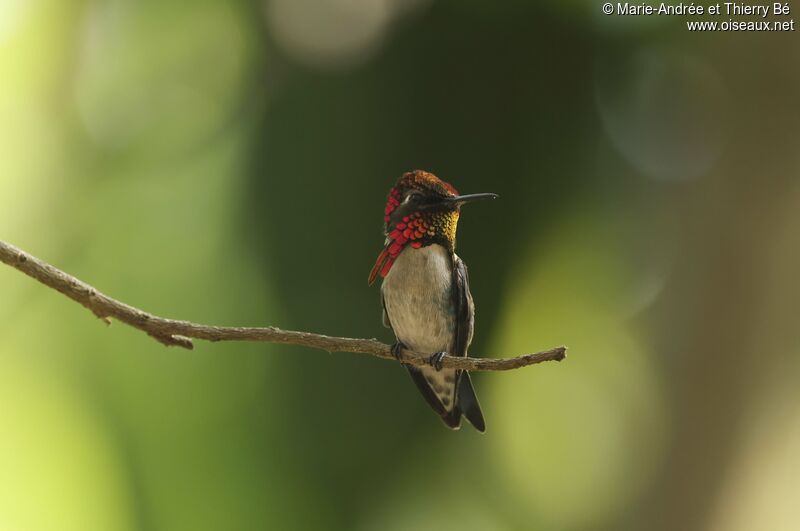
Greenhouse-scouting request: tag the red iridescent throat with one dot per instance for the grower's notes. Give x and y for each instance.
(391, 203)
(410, 231)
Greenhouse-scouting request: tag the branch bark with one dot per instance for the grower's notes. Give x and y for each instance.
(172, 332)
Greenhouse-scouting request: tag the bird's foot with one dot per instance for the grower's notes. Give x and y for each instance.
(397, 351)
(436, 360)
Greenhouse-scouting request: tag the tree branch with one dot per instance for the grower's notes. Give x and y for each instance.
(179, 333)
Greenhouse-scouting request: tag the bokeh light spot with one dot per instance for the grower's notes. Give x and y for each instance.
(663, 111)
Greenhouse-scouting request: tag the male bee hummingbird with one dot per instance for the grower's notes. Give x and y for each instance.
(425, 291)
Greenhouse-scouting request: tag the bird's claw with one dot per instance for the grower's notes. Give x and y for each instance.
(397, 351)
(436, 360)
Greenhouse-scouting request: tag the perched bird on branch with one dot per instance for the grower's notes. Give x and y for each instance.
(425, 291)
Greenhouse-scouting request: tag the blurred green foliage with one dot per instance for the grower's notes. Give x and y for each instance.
(227, 162)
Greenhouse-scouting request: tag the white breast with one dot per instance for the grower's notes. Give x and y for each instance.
(418, 298)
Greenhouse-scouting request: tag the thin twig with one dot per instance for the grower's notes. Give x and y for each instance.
(171, 332)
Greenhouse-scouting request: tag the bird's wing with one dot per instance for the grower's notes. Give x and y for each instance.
(386, 322)
(465, 308)
(465, 324)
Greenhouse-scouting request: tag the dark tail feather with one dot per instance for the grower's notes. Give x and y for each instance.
(451, 418)
(468, 403)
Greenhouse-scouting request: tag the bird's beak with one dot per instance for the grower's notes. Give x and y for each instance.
(461, 199)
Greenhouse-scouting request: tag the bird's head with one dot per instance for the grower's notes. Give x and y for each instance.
(425, 209)
(421, 210)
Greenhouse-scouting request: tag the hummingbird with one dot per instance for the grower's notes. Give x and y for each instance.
(425, 291)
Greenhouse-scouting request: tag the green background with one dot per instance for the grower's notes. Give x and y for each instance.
(228, 163)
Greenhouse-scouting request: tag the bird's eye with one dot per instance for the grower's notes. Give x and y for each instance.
(413, 196)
